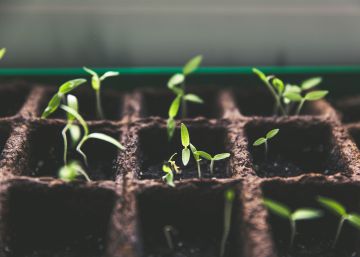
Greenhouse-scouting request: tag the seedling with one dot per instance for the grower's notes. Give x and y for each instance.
(87, 135)
(339, 210)
(197, 159)
(311, 96)
(169, 232)
(212, 159)
(2, 52)
(96, 85)
(71, 171)
(177, 85)
(229, 199)
(283, 211)
(185, 141)
(170, 168)
(63, 90)
(264, 140)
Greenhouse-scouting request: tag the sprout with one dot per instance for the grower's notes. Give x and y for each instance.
(87, 135)
(229, 199)
(96, 85)
(339, 210)
(2, 52)
(212, 159)
(170, 168)
(311, 96)
(69, 172)
(177, 85)
(169, 231)
(283, 211)
(64, 89)
(197, 158)
(264, 140)
(185, 141)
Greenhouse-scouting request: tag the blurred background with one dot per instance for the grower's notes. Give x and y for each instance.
(49, 33)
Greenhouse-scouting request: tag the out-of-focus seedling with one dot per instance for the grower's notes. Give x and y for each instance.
(70, 172)
(311, 96)
(170, 168)
(185, 141)
(169, 232)
(212, 159)
(283, 211)
(2, 52)
(96, 81)
(264, 140)
(339, 210)
(229, 199)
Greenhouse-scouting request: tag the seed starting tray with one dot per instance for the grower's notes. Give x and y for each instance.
(123, 211)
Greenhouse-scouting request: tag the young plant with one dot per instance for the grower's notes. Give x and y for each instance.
(212, 159)
(63, 90)
(197, 159)
(2, 52)
(264, 140)
(177, 85)
(185, 141)
(170, 168)
(87, 135)
(96, 85)
(310, 96)
(339, 210)
(283, 211)
(229, 199)
(169, 232)
(69, 172)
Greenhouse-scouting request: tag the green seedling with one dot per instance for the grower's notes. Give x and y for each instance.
(63, 90)
(283, 211)
(177, 85)
(71, 171)
(170, 168)
(169, 232)
(87, 136)
(339, 210)
(212, 159)
(185, 141)
(2, 52)
(311, 96)
(229, 199)
(197, 159)
(264, 140)
(96, 85)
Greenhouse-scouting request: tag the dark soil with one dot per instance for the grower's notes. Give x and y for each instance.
(349, 108)
(11, 100)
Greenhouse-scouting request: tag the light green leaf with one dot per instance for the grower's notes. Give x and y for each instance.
(193, 150)
(277, 208)
(109, 74)
(193, 98)
(166, 168)
(75, 133)
(272, 133)
(192, 65)
(354, 220)
(316, 95)
(221, 156)
(332, 205)
(175, 80)
(306, 214)
(292, 96)
(72, 102)
(185, 156)
(95, 80)
(230, 195)
(260, 74)
(170, 127)
(77, 117)
(70, 85)
(310, 83)
(52, 106)
(169, 179)
(2, 52)
(174, 107)
(185, 138)
(204, 155)
(90, 71)
(68, 173)
(279, 85)
(259, 141)
(292, 88)
(106, 138)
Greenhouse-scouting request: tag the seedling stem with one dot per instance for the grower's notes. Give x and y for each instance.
(229, 199)
(168, 232)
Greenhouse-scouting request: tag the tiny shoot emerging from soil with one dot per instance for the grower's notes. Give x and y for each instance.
(264, 140)
(2, 52)
(170, 168)
(339, 210)
(229, 199)
(212, 159)
(311, 96)
(71, 171)
(96, 85)
(169, 232)
(283, 211)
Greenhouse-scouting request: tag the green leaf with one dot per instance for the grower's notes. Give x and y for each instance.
(316, 95)
(332, 205)
(170, 127)
(166, 168)
(230, 195)
(292, 96)
(193, 98)
(260, 74)
(259, 141)
(95, 80)
(354, 220)
(193, 150)
(2, 52)
(204, 155)
(277, 208)
(221, 156)
(75, 133)
(306, 214)
(175, 80)
(72, 102)
(185, 138)
(310, 83)
(174, 107)
(68, 173)
(90, 71)
(185, 156)
(192, 65)
(279, 85)
(109, 74)
(78, 118)
(169, 179)
(52, 106)
(70, 85)
(292, 88)
(106, 138)
(272, 133)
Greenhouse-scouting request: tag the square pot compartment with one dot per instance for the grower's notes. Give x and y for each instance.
(155, 149)
(196, 213)
(45, 156)
(355, 135)
(300, 147)
(314, 237)
(12, 99)
(111, 103)
(4, 136)
(349, 108)
(157, 104)
(65, 221)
